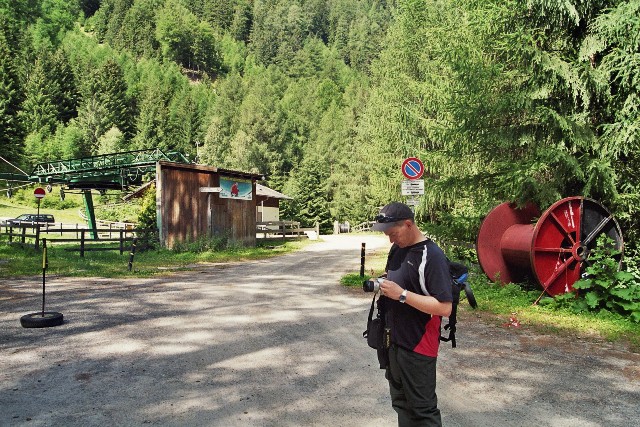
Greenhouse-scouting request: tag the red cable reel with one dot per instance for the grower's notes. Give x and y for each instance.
(554, 251)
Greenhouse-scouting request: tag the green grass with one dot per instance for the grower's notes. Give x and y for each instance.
(497, 303)
(64, 258)
(16, 260)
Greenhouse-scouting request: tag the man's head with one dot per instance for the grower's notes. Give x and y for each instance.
(396, 221)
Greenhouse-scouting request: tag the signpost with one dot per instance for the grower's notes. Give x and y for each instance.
(413, 185)
(39, 193)
(43, 319)
(412, 168)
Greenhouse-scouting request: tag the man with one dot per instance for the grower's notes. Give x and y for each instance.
(418, 294)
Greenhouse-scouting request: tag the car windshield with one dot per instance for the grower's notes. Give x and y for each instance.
(23, 216)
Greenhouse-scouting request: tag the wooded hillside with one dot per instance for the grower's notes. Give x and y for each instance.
(503, 100)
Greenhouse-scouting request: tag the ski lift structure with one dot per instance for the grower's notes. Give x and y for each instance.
(104, 172)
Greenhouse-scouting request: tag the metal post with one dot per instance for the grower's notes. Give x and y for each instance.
(91, 215)
(82, 243)
(132, 253)
(37, 245)
(44, 269)
(362, 252)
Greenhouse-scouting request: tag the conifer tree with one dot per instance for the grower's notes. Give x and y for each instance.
(38, 111)
(66, 95)
(10, 127)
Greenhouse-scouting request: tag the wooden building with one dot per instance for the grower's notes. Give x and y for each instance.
(268, 203)
(195, 201)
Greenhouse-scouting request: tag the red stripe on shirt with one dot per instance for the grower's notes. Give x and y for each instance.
(430, 341)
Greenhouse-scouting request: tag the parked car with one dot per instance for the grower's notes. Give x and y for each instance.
(31, 219)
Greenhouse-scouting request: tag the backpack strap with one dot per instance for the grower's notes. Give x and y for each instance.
(451, 327)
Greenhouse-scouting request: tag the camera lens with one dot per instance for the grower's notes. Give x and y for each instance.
(371, 285)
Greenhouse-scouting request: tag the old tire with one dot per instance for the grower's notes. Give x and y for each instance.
(37, 320)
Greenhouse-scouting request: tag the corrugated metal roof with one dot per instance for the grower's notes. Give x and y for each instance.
(263, 191)
(240, 174)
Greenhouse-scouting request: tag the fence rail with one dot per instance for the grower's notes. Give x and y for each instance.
(363, 226)
(25, 233)
(285, 229)
(123, 234)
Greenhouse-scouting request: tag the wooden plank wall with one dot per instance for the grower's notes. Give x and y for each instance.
(186, 214)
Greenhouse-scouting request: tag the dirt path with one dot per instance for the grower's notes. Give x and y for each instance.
(277, 343)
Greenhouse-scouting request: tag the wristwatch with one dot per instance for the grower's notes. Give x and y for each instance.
(403, 296)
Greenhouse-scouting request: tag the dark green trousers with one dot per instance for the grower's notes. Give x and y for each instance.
(412, 382)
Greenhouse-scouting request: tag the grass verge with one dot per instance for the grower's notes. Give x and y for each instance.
(65, 260)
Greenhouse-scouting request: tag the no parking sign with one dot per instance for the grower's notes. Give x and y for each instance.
(412, 168)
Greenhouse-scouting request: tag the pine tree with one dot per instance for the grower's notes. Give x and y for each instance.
(106, 102)
(66, 95)
(10, 127)
(38, 111)
(137, 33)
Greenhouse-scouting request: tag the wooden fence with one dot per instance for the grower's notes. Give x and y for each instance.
(28, 233)
(363, 226)
(119, 236)
(284, 229)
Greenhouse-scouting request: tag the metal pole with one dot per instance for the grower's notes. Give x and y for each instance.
(362, 260)
(133, 251)
(44, 269)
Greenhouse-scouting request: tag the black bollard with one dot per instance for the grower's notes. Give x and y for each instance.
(45, 264)
(132, 253)
(362, 260)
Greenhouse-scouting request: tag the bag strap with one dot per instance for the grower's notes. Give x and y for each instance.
(366, 333)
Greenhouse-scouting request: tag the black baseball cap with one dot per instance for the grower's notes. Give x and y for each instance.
(390, 215)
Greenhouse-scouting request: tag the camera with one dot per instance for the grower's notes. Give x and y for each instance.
(372, 285)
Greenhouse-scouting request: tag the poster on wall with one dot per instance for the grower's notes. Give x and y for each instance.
(235, 189)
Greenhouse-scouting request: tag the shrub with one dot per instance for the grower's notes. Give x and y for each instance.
(603, 287)
(202, 244)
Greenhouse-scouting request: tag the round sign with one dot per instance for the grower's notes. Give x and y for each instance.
(412, 168)
(39, 193)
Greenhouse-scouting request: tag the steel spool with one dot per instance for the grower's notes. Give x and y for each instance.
(554, 251)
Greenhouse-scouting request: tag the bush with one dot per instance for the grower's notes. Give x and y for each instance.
(603, 287)
(148, 217)
(24, 196)
(203, 244)
(121, 212)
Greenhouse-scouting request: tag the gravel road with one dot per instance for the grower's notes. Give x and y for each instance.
(278, 343)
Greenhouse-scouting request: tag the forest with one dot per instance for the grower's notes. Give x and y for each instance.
(503, 100)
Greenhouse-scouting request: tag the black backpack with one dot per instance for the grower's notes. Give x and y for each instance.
(459, 275)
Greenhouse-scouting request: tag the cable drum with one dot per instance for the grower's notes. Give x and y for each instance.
(554, 251)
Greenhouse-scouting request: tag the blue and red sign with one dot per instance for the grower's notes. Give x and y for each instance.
(412, 168)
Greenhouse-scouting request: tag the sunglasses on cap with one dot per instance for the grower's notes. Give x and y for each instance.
(384, 219)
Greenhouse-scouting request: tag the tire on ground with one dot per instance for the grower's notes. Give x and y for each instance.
(37, 320)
